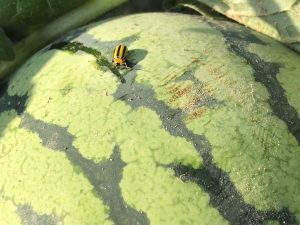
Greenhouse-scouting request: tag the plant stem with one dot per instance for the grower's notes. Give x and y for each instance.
(75, 18)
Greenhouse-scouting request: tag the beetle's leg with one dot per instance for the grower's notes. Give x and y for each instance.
(125, 64)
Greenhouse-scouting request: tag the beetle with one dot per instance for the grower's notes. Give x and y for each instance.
(119, 56)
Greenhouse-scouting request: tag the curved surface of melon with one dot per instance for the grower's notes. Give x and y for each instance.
(203, 129)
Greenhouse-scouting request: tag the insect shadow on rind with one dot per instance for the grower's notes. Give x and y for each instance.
(135, 56)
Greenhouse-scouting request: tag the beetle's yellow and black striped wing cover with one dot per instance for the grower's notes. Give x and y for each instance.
(120, 52)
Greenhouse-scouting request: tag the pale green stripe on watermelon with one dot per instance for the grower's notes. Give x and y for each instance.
(44, 179)
(289, 74)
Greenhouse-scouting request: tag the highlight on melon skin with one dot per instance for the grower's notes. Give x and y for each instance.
(200, 127)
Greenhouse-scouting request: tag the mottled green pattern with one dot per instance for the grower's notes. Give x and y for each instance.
(187, 86)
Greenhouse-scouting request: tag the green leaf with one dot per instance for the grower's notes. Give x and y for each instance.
(277, 19)
(7, 52)
(15, 14)
(175, 5)
(258, 7)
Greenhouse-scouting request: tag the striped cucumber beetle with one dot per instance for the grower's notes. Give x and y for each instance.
(119, 56)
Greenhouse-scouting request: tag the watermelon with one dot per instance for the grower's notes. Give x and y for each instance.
(203, 128)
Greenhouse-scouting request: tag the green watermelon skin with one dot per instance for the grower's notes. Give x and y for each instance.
(203, 129)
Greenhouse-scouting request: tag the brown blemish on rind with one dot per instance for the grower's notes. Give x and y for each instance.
(223, 194)
(265, 73)
(196, 98)
(196, 113)
(170, 77)
(177, 92)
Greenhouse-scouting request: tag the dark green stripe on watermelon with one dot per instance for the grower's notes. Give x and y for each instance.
(207, 100)
(264, 73)
(225, 197)
(8, 102)
(77, 46)
(223, 194)
(29, 217)
(105, 176)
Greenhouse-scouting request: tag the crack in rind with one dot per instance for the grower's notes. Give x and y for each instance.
(264, 73)
(104, 176)
(8, 102)
(223, 194)
(29, 217)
